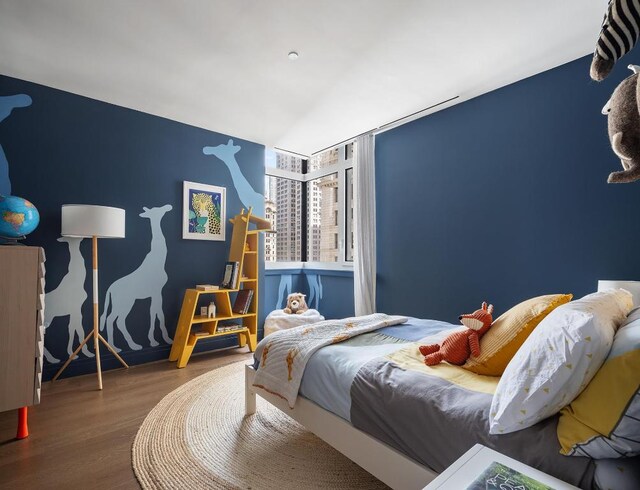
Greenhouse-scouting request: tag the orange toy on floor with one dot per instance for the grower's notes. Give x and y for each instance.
(458, 346)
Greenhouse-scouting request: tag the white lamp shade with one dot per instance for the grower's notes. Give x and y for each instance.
(85, 220)
(632, 286)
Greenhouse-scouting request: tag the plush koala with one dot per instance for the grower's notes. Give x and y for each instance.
(296, 304)
(624, 127)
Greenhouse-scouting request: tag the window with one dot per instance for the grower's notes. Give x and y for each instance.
(321, 223)
(278, 162)
(324, 159)
(310, 205)
(283, 208)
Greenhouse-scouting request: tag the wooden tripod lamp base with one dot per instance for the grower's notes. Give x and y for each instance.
(84, 221)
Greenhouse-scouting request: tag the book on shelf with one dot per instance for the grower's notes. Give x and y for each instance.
(236, 276)
(207, 287)
(232, 327)
(243, 301)
(230, 278)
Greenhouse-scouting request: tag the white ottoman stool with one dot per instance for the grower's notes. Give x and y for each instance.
(279, 320)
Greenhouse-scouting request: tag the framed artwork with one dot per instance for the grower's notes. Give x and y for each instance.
(203, 211)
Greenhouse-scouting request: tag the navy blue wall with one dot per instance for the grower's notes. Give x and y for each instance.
(504, 197)
(337, 293)
(64, 148)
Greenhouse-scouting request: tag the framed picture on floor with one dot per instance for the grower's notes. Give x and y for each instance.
(203, 211)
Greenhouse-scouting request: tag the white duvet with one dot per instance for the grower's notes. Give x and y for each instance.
(279, 320)
(283, 355)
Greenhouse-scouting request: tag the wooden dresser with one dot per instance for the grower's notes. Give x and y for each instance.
(21, 325)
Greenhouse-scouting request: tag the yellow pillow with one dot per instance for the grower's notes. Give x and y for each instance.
(603, 421)
(509, 331)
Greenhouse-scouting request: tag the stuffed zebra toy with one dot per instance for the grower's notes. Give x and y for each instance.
(619, 34)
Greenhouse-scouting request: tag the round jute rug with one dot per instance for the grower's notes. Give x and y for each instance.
(197, 437)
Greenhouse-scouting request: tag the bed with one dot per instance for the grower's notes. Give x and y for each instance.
(373, 399)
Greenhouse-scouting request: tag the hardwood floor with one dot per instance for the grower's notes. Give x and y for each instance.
(81, 437)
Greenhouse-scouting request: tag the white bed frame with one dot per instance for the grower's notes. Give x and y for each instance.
(382, 461)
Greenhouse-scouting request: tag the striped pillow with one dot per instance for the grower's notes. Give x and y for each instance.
(619, 34)
(604, 421)
(509, 331)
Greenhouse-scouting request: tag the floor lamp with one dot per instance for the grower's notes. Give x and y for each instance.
(86, 221)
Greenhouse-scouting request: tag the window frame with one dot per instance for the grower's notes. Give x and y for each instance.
(336, 168)
(349, 240)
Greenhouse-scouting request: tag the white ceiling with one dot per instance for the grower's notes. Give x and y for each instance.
(223, 65)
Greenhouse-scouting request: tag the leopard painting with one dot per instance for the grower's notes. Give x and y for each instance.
(202, 204)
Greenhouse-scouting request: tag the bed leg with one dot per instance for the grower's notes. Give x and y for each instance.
(249, 397)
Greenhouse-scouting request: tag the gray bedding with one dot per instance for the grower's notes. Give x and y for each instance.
(435, 421)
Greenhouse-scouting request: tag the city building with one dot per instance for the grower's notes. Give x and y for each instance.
(270, 239)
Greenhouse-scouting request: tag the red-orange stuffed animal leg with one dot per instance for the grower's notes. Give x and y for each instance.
(433, 359)
(425, 350)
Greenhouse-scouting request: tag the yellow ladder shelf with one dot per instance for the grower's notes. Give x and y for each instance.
(244, 250)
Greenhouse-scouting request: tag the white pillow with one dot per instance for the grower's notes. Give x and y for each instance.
(279, 320)
(557, 360)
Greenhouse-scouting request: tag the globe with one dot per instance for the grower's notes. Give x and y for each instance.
(18, 217)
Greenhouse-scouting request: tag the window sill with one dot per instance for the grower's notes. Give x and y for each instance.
(326, 268)
(283, 265)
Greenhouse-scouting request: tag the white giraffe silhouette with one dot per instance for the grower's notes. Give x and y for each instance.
(67, 299)
(284, 289)
(227, 153)
(7, 104)
(315, 289)
(145, 282)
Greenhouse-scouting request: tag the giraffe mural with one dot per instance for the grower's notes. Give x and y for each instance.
(145, 282)
(227, 153)
(67, 299)
(7, 104)
(284, 289)
(315, 289)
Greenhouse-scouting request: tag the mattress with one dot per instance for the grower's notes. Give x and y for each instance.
(378, 382)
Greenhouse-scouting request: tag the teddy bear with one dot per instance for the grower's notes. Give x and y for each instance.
(458, 346)
(624, 127)
(296, 304)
